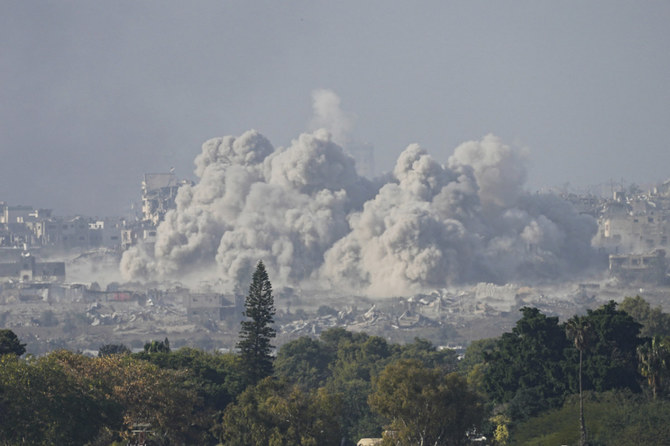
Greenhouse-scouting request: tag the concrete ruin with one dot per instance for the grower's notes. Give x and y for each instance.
(649, 268)
(159, 191)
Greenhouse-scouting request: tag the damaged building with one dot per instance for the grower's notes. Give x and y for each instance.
(28, 228)
(650, 268)
(28, 269)
(201, 307)
(159, 191)
(635, 224)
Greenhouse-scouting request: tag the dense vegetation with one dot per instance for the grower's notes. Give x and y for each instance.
(519, 388)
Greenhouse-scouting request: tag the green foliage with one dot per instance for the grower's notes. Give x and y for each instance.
(526, 365)
(67, 398)
(217, 377)
(501, 432)
(10, 344)
(324, 388)
(654, 358)
(654, 321)
(43, 404)
(357, 358)
(157, 346)
(424, 351)
(257, 331)
(164, 399)
(611, 358)
(535, 366)
(304, 361)
(275, 413)
(358, 420)
(345, 363)
(614, 418)
(581, 332)
(473, 364)
(475, 354)
(361, 357)
(113, 349)
(425, 405)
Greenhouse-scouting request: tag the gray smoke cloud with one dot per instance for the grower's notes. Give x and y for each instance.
(329, 115)
(286, 206)
(305, 212)
(467, 221)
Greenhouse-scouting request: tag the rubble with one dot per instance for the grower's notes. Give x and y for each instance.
(48, 311)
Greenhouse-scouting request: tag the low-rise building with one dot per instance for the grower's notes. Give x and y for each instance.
(643, 268)
(201, 307)
(27, 269)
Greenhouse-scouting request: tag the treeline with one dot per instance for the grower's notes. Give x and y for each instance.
(318, 393)
(537, 368)
(519, 388)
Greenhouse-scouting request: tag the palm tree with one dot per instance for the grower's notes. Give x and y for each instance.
(578, 329)
(654, 363)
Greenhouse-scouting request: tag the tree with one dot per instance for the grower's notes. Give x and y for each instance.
(425, 406)
(654, 359)
(276, 413)
(304, 361)
(526, 366)
(42, 403)
(654, 321)
(165, 399)
(501, 433)
(612, 360)
(9, 343)
(256, 333)
(112, 349)
(157, 347)
(616, 417)
(578, 329)
(216, 376)
(424, 351)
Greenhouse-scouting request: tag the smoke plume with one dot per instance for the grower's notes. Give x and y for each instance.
(329, 116)
(314, 222)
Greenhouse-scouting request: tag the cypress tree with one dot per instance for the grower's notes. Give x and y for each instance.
(256, 332)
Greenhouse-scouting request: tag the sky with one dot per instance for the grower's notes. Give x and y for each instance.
(95, 94)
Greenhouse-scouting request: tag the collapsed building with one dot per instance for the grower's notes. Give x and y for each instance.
(159, 191)
(635, 224)
(26, 269)
(202, 307)
(634, 231)
(650, 268)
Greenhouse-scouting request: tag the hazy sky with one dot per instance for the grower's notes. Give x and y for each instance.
(94, 94)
